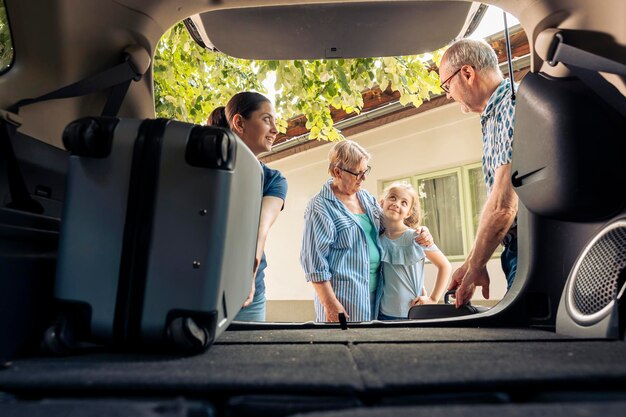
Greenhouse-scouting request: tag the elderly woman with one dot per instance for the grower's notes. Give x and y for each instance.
(340, 248)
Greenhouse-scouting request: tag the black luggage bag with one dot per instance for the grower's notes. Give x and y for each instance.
(447, 309)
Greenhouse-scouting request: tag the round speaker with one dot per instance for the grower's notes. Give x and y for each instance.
(598, 276)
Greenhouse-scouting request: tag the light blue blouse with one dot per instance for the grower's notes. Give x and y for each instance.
(334, 248)
(403, 272)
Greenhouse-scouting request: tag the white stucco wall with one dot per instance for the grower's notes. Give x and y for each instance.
(437, 139)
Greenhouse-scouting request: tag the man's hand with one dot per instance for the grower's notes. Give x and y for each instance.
(457, 277)
(423, 236)
(465, 280)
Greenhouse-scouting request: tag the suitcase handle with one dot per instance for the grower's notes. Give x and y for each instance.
(446, 297)
(211, 147)
(90, 137)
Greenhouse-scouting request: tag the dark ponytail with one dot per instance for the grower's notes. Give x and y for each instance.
(218, 117)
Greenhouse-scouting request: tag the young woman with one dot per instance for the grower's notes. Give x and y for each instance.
(253, 118)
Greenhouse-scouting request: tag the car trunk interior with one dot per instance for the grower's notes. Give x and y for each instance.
(509, 360)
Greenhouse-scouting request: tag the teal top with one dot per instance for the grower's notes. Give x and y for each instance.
(371, 234)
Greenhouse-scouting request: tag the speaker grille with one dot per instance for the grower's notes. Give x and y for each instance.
(596, 282)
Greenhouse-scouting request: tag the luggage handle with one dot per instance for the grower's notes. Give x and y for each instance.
(446, 297)
(90, 137)
(211, 147)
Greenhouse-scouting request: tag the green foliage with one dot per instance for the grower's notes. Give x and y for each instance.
(6, 46)
(190, 82)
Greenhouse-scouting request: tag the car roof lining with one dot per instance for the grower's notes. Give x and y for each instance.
(352, 30)
(143, 22)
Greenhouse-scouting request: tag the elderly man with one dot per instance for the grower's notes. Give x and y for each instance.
(470, 74)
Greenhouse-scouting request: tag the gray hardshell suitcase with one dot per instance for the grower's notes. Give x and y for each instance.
(158, 235)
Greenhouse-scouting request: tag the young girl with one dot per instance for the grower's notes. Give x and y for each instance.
(403, 259)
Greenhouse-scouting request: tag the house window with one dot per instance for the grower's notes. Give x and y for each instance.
(451, 202)
(6, 45)
(441, 201)
(477, 195)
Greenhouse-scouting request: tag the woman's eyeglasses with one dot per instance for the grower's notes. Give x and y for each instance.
(359, 175)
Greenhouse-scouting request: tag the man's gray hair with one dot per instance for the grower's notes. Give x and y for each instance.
(474, 52)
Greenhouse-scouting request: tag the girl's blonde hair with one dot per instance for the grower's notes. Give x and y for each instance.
(415, 212)
(346, 154)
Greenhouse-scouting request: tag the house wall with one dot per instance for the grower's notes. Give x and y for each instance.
(437, 139)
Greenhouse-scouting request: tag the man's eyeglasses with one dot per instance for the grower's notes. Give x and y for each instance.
(359, 175)
(444, 85)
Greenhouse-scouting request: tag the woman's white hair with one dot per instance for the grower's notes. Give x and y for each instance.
(346, 154)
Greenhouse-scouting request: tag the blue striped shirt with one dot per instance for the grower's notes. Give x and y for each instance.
(334, 248)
